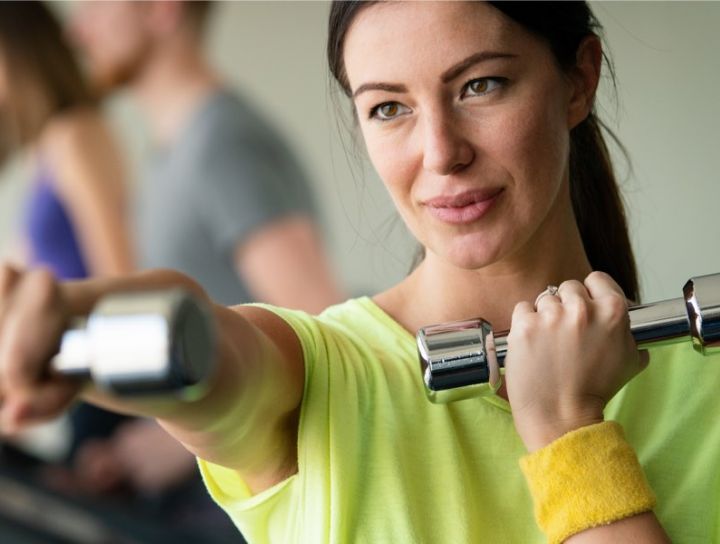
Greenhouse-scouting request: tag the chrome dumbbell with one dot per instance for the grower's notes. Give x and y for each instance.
(463, 359)
(150, 342)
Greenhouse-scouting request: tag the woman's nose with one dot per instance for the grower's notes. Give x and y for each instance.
(445, 148)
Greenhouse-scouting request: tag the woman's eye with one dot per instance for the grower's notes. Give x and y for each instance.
(387, 111)
(481, 86)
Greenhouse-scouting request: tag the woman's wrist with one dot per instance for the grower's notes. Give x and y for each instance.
(586, 478)
(540, 429)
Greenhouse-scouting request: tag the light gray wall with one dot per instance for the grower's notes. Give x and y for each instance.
(669, 79)
(666, 58)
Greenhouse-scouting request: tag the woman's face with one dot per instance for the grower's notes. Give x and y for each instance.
(466, 118)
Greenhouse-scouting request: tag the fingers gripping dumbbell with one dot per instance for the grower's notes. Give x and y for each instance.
(158, 342)
(463, 359)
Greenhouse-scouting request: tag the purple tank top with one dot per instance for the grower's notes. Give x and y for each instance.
(50, 233)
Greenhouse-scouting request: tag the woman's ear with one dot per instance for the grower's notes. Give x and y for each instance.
(584, 78)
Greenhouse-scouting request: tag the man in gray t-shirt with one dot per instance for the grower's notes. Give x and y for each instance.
(227, 177)
(223, 201)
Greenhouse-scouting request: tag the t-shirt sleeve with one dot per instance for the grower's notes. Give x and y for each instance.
(361, 382)
(272, 515)
(261, 518)
(247, 179)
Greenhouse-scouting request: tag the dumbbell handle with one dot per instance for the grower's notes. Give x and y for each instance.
(463, 359)
(657, 323)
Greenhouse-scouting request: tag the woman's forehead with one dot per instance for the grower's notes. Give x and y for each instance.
(388, 39)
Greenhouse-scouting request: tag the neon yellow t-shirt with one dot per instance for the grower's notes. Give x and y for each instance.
(379, 463)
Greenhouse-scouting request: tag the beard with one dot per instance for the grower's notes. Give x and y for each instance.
(112, 75)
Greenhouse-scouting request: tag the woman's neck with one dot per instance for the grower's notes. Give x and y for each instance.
(437, 292)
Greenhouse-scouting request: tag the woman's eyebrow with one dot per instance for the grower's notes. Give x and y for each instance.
(448, 75)
(389, 87)
(476, 58)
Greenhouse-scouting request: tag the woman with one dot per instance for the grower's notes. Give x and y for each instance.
(478, 118)
(75, 221)
(75, 214)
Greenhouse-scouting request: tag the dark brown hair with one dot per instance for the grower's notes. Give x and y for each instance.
(42, 76)
(197, 13)
(596, 199)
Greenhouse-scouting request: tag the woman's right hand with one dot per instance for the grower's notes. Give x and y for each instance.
(567, 357)
(33, 316)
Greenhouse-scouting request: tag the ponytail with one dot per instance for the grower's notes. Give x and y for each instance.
(598, 206)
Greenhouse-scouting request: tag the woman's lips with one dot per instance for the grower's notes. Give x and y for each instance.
(463, 208)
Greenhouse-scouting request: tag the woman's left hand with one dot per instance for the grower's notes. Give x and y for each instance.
(568, 357)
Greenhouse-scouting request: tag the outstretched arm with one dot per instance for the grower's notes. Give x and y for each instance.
(247, 421)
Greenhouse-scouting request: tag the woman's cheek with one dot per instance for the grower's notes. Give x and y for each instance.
(540, 146)
(393, 165)
(378, 146)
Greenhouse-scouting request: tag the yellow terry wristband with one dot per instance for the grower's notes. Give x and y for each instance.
(588, 477)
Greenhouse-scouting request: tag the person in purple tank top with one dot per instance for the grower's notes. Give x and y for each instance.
(75, 216)
(49, 231)
(74, 221)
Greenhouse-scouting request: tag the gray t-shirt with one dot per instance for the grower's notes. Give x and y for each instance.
(228, 174)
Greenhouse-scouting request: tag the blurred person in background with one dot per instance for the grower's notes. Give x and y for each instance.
(75, 222)
(223, 198)
(75, 217)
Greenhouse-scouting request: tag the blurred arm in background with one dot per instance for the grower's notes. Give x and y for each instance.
(90, 181)
(75, 218)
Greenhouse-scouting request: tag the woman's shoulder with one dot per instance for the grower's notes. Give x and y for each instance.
(65, 134)
(73, 128)
(364, 313)
(358, 321)
(79, 141)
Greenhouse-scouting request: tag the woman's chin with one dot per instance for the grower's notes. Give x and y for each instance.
(469, 258)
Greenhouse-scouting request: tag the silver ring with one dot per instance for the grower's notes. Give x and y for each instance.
(551, 290)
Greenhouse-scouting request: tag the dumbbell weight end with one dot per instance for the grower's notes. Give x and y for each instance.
(144, 343)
